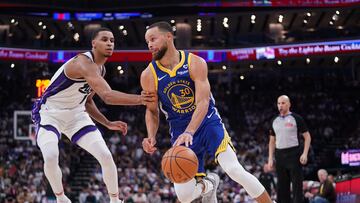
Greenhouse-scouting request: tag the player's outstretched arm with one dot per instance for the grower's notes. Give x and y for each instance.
(87, 69)
(94, 112)
(152, 112)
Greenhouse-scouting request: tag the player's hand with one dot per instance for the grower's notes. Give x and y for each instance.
(184, 138)
(117, 125)
(303, 159)
(148, 97)
(148, 145)
(270, 164)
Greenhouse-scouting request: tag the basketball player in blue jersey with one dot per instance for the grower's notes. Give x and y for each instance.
(67, 105)
(181, 82)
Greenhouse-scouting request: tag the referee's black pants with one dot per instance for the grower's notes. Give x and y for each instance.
(289, 169)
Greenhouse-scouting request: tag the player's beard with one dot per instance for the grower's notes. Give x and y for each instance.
(159, 54)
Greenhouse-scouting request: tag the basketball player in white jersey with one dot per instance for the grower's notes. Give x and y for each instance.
(67, 105)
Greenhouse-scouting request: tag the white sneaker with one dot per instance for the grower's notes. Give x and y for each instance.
(117, 201)
(63, 200)
(210, 196)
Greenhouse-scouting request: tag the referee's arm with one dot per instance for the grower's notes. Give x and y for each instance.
(271, 149)
(307, 141)
(303, 129)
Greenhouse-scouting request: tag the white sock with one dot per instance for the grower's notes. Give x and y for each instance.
(208, 185)
(61, 197)
(114, 198)
(187, 192)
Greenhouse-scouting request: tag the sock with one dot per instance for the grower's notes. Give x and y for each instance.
(207, 186)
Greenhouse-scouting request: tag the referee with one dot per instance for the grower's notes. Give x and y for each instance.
(284, 140)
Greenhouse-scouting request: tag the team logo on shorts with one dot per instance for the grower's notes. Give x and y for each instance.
(181, 96)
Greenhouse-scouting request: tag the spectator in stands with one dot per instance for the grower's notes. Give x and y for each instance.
(326, 193)
(267, 179)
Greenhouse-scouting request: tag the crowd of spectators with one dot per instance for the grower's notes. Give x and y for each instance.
(328, 102)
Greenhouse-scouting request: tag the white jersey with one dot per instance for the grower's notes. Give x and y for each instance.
(61, 109)
(67, 93)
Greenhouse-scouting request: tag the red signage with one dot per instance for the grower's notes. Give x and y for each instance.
(131, 56)
(24, 55)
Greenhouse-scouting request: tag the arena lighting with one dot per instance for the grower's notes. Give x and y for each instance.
(251, 66)
(198, 26)
(305, 21)
(70, 25)
(174, 28)
(307, 60)
(225, 22)
(308, 14)
(172, 21)
(52, 36)
(279, 62)
(337, 12)
(121, 27)
(331, 23)
(336, 59)
(40, 23)
(12, 65)
(224, 67)
(242, 77)
(335, 17)
(12, 20)
(44, 27)
(147, 27)
(121, 72)
(253, 18)
(76, 36)
(125, 32)
(119, 67)
(280, 19)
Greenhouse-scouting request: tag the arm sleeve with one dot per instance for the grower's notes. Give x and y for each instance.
(301, 125)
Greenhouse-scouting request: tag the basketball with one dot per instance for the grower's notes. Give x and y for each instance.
(179, 164)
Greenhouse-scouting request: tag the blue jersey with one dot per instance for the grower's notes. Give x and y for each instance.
(176, 92)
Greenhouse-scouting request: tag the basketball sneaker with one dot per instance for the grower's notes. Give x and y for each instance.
(117, 201)
(210, 196)
(63, 199)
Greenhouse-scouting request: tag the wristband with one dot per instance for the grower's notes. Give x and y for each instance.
(187, 132)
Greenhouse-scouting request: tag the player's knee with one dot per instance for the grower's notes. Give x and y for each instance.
(51, 158)
(234, 170)
(105, 157)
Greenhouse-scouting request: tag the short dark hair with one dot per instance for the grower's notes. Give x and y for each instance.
(163, 26)
(96, 32)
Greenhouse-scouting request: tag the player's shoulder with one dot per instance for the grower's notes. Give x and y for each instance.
(81, 61)
(146, 74)
(195, 58)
